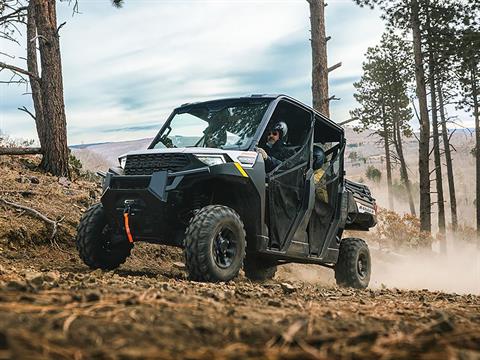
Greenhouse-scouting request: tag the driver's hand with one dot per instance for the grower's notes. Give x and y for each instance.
(263, 153)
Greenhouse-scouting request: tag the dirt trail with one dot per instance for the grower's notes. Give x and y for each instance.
(52, 306)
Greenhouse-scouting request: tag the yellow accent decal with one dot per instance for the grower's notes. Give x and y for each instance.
(240, 168)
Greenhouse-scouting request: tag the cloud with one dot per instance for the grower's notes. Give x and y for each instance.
(126, 69)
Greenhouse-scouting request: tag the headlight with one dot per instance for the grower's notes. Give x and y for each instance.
(211, 160)
(247, 159)
(122, 161)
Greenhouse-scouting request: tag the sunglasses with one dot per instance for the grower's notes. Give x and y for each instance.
(274, 133)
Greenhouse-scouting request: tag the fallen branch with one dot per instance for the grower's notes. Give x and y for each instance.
(21, 192)
(39, 215)
(288, 337)
(20, 151)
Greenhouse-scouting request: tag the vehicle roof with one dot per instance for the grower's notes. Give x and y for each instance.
(272, 97)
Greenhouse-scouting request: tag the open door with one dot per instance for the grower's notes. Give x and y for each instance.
(328, 182)
(286, 183)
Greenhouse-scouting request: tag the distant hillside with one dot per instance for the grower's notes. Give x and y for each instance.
(103, 155)
(369, 152)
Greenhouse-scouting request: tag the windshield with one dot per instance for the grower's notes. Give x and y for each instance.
(218, 124)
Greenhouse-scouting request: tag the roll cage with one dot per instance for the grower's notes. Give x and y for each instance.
(274, 102)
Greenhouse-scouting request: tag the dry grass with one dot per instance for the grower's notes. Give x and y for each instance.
(56, 198)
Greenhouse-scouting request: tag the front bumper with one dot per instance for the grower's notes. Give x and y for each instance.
(159, 205)
(150, 201)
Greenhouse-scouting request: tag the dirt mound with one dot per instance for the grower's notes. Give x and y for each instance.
(58, 199)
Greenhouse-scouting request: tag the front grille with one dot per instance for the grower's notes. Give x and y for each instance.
(147, 164)
(128, 183)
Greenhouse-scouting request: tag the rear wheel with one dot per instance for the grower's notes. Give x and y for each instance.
(94, 241)
(353, 268)
(214, 244)
(259, 268)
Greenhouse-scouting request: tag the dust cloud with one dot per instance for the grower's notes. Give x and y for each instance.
(312, 274)
(456, 272)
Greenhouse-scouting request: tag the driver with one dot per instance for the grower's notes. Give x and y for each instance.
(275, 151)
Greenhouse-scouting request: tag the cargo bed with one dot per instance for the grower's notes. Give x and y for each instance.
(362, 208)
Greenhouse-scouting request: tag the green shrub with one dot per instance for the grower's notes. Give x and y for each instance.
(353, 156)
(373, 174)
(77, 170)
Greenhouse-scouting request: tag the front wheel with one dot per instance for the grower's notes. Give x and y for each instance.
(353, 267)
(214, 244)
(94, 241)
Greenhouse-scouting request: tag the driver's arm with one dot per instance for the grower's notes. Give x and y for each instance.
(270, 162)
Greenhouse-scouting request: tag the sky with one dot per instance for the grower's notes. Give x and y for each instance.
(124, 70)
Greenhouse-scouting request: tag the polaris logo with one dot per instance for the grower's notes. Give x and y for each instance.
(365, 209)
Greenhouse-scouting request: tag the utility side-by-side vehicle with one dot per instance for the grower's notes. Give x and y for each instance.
(202, 186)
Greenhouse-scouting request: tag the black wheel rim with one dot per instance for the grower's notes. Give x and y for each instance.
(362, 266)
(106, 239)
(224, 247)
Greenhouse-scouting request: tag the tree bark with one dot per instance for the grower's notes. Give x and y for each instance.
(403, 167)
(448, 158)
(476, 114)
(33, 68)
(424, 141)
(55, 158)
(436, 156)
(388, 161)
(319, 57)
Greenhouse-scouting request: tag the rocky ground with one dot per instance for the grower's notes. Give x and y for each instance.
(52, 306)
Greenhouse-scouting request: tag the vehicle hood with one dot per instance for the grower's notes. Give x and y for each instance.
(232, 154)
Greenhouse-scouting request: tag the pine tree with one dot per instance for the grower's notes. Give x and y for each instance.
(408, 15)
(47, 85)
(468, 73)
(384, 104)
(43, 73)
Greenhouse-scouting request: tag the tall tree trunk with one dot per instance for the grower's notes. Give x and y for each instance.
(33, 68)
(448, 158)
(387, 158)
(319, 57)
(403, 167)
(424, 143)
(476, 113)
(436, 155)
(55, 158)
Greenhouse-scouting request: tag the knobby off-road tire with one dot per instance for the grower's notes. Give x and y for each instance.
(259, 268)
(353, 268)
(93, 241)
(214, 244)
